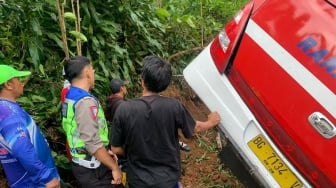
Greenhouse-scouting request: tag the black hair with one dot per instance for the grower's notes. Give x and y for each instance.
(74, 66)
(115, 85)
(156, 73)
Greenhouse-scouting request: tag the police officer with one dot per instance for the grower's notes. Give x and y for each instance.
(86, 129)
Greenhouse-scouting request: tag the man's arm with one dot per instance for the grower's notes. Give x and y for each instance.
(86, 114)
(213, 120)
(87, 121)
(117, 139)
(103, 156)
(23, 150)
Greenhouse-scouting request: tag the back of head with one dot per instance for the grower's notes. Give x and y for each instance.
(74, 66)
(156, 73)
(116, 84)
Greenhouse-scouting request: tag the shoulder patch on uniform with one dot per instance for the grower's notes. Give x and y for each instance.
(94, 112)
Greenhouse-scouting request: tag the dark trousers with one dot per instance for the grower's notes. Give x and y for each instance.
(100, 177)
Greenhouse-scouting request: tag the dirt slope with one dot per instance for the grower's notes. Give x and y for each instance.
(201, 167)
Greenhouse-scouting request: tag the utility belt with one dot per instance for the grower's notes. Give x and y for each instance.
(88, 162)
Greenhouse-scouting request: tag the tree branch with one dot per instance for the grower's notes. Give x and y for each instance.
(60, 10)
(185, 52)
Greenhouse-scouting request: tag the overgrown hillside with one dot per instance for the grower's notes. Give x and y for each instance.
(116, 35)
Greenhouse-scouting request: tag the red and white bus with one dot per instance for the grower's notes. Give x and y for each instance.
(271, 74)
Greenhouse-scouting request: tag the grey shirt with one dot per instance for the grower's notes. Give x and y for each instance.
(87, 122)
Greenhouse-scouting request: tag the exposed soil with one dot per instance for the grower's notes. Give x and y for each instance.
(201, 167)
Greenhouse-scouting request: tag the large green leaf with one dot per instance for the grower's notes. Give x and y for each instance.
(36, 26)
(34, 54)
(70, 16)
(78, 35)
(162, 13)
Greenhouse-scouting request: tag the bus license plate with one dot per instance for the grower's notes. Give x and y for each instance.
(273, 163)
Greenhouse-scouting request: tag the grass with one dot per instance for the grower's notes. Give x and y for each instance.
(210, 173)
(205, 142)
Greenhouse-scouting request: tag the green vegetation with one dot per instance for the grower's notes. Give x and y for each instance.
(212, 147)
(115, 34)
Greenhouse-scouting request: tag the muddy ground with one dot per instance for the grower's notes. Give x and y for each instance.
(201, 167)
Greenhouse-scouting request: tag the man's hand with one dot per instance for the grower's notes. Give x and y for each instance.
(113, 155)
(54, 183)
(117, 176)
(214, 118)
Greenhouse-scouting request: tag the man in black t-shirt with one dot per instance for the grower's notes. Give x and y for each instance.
(146, 130)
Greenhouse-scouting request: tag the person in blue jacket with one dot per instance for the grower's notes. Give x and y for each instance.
(24, 152)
